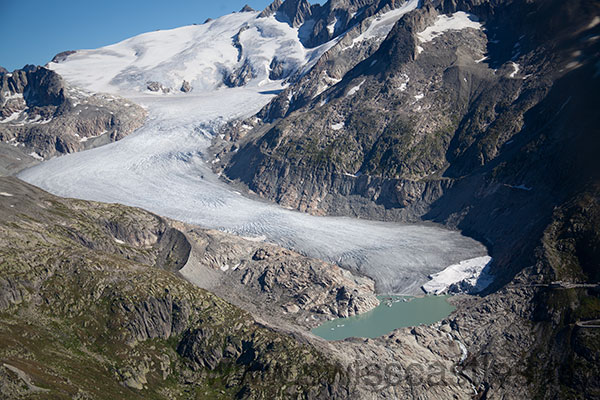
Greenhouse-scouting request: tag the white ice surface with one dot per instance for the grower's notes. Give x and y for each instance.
(199, 54)
(11, 117)
(515, 71)
(355, 89)
(162, 167)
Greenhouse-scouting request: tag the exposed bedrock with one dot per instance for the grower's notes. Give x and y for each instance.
(484, 131)
(41, 117)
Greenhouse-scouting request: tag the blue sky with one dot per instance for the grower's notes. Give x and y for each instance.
(33, 31)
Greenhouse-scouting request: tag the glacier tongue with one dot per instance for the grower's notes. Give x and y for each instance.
(162, 167)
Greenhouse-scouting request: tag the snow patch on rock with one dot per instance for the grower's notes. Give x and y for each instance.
(457, 21)
(355, 89)
(36, 156)
(383, 24)
(466, 276)
(11, 117)
(516, 68)
(338, 126)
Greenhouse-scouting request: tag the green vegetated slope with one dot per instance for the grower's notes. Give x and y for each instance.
(91, 307)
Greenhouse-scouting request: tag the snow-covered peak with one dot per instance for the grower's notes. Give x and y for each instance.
(206, 56)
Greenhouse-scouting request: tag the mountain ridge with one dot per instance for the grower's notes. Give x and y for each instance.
(479, 115)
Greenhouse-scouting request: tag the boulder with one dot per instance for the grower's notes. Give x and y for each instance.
(154, 86)
(186, 87)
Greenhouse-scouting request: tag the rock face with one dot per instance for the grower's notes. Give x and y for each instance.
(186, 87)
(87, 283)
(42, 117)
(276, 278)
(154, 86)
(297, 11)
(247, 8)
(241, 76)
(318, 24)
(62, 56)
(488, 131)
(271, 9)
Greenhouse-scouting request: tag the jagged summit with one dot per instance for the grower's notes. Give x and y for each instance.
(271, 9)
(294, 12)
(247, 8)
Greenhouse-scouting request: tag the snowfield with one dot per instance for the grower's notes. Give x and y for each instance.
(163, 166)
(382, 24)
(198, 54)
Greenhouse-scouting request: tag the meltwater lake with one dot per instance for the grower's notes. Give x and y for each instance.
(392, 313)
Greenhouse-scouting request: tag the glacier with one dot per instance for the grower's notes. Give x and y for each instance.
(163, 166)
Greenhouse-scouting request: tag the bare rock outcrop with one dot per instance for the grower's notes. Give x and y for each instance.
(276, 278)
(41, 116)
(154, 86)
(294, 12)
(186, 87)
(247, 8)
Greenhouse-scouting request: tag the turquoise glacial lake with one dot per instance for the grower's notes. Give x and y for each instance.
(394, 312)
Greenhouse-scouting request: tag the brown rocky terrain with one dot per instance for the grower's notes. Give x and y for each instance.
(308, 290)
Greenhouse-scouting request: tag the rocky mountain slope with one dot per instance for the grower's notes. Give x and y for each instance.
(91, 307)
(96, 285)
(440, 122)
(41, 116)
(478, 115)
(309, 290)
